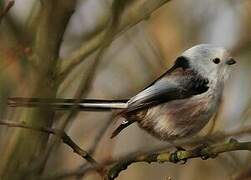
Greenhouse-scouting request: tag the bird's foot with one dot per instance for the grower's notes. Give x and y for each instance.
(205, 151)
(176, 157)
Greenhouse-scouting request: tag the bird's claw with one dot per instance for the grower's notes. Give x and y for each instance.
(175, 157)
(204, 153)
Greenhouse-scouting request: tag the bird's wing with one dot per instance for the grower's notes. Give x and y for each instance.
(178, 85)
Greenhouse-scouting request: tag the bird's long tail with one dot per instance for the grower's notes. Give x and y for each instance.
(66, 104)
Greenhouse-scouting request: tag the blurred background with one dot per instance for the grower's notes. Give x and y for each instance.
(135, 57)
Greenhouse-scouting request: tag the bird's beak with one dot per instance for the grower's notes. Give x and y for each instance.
(231, 61)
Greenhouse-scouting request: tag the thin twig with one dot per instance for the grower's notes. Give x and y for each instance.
(131, 17)
(6, 9)
(94, 146)
(60, 134)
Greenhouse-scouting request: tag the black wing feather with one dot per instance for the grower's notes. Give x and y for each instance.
(167, 89)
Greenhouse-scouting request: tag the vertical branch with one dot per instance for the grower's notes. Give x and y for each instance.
(134, 13)
(6, 9)
(25, 146)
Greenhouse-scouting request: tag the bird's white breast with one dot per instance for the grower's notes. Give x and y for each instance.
(180, 118)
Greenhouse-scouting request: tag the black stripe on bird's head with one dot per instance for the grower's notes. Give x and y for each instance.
(182, 62)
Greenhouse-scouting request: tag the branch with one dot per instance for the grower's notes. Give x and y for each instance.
(6, 9)
(178, 156)
(86, 81)
(215, 137)
(53, 20)
(94, 146)
(132, 15)
(60, 134)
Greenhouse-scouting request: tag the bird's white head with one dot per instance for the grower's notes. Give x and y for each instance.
(210, 61)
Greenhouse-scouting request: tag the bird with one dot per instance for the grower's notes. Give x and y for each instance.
(178, 104)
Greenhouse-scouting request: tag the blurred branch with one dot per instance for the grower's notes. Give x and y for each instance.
(60, 134)
(110, 32)
(132, 15)
(178, 156)
(6, 9)
(94, 146)
(53, 20)
(64, 123)
(87, 80)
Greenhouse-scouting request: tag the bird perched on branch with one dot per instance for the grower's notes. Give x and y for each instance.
(178, 104)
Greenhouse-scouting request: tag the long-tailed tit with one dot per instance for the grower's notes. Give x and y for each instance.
(179, 103)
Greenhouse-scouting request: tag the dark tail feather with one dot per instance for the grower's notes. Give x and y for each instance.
(122, 126)
(62, 104)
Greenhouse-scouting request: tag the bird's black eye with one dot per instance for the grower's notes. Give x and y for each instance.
(216, 60)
